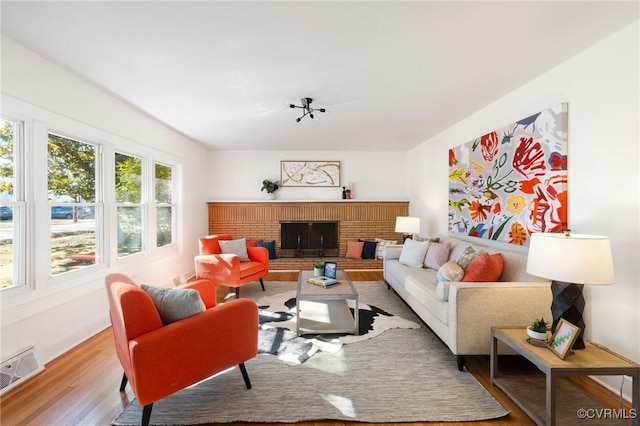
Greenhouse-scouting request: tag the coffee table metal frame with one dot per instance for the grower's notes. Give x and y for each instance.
(327, 309)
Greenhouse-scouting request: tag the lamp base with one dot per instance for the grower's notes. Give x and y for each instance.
(406, 237)
(568, 303)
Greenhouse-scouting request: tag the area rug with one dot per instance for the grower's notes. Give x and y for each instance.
(278, 325)
(402, 375)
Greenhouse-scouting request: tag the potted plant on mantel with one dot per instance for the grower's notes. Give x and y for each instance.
(270, 187)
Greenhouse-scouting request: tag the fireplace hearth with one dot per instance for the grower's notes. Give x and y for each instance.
(309, 239)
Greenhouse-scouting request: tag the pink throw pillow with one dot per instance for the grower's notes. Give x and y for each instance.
(437, 255)
(484, 268)
(354, 249)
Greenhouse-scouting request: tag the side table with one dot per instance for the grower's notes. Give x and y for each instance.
(593, 360)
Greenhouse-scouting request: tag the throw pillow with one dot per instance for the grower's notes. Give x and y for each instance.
(413, 253)
(369, 249)
(467, 256)
(174, 304)
(484, 268)
(437, 255)
(238, 247)
(269, 245)
(252, 243)
(431, 239)
(381, 245)
(450, 271)
(354, 249)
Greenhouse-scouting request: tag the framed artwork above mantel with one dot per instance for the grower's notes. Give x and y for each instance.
(310, 173)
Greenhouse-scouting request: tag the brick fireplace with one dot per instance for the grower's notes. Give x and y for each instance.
(263, 220)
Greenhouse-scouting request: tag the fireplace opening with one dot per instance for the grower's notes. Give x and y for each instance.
(309, 239)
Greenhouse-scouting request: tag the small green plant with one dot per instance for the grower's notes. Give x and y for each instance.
(270, 186)
(318, 265)
(539, 326)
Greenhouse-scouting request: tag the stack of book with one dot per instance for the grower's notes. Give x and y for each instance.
(323, 281)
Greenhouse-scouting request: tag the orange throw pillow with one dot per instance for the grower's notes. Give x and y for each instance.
(484, 268)
(354, 250)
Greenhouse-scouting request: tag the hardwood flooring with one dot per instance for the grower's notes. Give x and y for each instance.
(81, 386)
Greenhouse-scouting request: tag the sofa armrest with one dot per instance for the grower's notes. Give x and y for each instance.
(186, 351)
(219, 268)
(392, 252)
(206, 289)
(476, 307)
(258, 254)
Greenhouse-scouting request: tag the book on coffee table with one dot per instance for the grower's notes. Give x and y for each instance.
(323, 281)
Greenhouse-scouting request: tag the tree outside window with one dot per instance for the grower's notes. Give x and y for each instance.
(164, 204)
(130, 208)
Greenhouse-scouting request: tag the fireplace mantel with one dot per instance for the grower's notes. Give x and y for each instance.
(358, 219)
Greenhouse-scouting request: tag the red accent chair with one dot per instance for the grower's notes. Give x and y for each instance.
(160, 360)
(227, 269)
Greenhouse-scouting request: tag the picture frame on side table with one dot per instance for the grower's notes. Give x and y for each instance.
(563, 338)
(330, 269)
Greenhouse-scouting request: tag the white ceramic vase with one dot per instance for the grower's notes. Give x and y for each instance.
(536, 335)
(317, 272)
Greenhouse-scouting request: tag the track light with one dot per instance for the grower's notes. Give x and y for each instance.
(306, 107)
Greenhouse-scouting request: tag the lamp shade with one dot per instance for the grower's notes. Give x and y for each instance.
(407, 224)
(578, 259)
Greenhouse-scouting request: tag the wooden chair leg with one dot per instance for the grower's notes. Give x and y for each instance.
(123, 384)
(262, 284)
(245, 375)
(237, 292)
(146, 414)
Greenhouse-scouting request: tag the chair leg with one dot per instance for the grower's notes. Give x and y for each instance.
(245, 375)
(146, 414)
(262, 284)
(123, 384)
(237, 292)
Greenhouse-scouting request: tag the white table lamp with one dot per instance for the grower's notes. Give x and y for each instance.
(407, 226)
(570, 261)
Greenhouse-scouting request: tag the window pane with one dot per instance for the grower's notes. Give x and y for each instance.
(163, 218)
(7, 134)
(163, 184)
(128, 179)
(129, 230)
(72, 185)
(6, 247)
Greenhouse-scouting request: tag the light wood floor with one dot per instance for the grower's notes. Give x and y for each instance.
(81, 386)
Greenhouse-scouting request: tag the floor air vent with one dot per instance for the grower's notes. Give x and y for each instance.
(18, 368)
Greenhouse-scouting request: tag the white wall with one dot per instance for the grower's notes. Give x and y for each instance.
(238, 175)
(602, 88)
(55, 315)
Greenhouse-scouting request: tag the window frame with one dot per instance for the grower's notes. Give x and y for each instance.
(173, 205)
(143, 204)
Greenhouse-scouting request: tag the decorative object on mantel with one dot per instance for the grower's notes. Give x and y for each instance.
(271, 187)
(512, 182)
(310, 173)
(407, 226)
(306, 107)
(346, 193)
(570, 261)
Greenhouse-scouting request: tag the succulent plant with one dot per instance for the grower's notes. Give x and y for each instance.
(270, 186)
(318, 265)
(539, 326)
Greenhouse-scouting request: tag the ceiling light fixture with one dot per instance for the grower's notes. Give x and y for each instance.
(306, 107)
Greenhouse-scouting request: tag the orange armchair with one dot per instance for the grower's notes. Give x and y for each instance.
(227, 269)
(160, 360)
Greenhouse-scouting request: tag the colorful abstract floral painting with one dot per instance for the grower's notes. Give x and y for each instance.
(511, 182)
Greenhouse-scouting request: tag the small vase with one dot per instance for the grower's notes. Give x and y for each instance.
(318, 272)
(536, 335)
(270, 196)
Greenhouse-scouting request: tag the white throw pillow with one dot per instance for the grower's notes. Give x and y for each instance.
(238, 247)
(381, 245)
(413, 253)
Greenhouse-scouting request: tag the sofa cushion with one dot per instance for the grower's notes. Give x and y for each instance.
(174, 304)
(484, 268)
(354, 249)
(369, 249)
(237, 247)
(450, 271)
(413, 253)
(381, 245)
(270, 246)
(437, 255)
(467, 255)
(250, 268)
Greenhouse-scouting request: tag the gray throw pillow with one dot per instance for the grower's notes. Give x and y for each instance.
(238, 247)
(174, 304)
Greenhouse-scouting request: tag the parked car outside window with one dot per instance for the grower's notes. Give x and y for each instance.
(60, 212)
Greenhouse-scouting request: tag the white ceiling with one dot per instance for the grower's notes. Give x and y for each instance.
(391, 74)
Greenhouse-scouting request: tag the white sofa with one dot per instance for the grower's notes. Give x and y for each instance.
(461, 314)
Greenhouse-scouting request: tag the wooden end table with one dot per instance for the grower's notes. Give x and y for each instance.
(593, 360)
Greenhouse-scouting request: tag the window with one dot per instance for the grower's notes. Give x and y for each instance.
(12, 206)
(164, 205)
(130, 206)
(74, 207)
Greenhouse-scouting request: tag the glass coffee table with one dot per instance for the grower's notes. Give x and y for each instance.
(326, 310)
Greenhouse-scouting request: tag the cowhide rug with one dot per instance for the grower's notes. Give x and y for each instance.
(278, 336)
